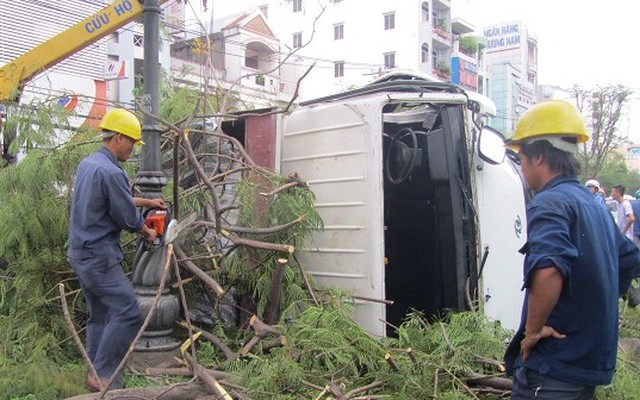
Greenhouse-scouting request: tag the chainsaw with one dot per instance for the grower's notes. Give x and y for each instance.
(167, 229)
(151, 255)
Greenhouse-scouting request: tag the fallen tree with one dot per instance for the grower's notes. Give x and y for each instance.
(297, 340)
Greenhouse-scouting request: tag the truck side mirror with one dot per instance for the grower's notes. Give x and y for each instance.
(491, 146)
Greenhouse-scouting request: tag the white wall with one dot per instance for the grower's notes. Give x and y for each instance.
(124, 50)
(25, 24)
(365, 40)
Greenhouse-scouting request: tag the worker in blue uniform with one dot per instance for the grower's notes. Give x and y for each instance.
(102, 206)
(635, 207)
(577, 264)
(633, 296)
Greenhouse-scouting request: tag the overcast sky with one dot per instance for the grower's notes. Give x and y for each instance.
(580, 42)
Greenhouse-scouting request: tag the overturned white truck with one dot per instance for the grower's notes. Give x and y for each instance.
(420, 205)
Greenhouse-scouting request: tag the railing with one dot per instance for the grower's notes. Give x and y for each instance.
(442, 73)
(441, 33)
(468, 52)
(268, 82)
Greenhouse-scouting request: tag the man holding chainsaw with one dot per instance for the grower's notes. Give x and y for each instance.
(101, 208)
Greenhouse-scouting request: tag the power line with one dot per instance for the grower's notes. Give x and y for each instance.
(348, 65)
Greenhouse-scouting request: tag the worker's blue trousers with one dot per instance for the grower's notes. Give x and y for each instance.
(114, 316)
(528, 384)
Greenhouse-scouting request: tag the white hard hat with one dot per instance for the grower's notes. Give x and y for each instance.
(592, 183)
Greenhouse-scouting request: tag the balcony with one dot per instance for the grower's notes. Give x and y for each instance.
(444, 75)
(461, 27)
(468, 45)
(441, 4)
(442, 34)
(260, 81)
(468, 53)
(441, 41)
(442, 69)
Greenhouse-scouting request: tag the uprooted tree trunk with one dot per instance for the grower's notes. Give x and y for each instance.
(191, 390)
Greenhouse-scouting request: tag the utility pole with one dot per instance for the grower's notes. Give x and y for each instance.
(151, 179)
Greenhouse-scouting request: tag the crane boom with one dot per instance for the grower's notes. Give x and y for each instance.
(91, 29)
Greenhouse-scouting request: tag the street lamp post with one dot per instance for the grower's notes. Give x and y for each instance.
(148, 269)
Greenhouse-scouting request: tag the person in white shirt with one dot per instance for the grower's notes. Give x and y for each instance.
(625, 218)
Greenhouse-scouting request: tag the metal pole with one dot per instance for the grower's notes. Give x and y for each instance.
(151, 179)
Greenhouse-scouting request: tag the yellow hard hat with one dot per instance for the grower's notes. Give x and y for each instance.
(123, 122)
(549, 120)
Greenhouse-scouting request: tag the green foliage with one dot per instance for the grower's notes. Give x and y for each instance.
(444, 349)
(630, 321)
(469, 44)
(178, 102)
(615, 171)
(41, 381)
(39, 124)
(625, 385)
(602, 108)
(441, 23)
(251, 270)
(34, 203)
(443, 66)
(324, 346)
(325, 339)
(469, 331)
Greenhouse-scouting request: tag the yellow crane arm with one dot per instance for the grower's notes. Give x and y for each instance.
(91, 29)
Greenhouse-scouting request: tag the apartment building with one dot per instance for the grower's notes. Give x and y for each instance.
(351, 42)
(512, 57)
(242, 55)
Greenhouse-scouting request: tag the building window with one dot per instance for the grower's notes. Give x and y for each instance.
(297, 40)
(297, 6)
(389, 21)
(138, 40)
(424, 54)
(389, 60)
(338, 31)
(338, 69)
(425, 11)
(434, 59)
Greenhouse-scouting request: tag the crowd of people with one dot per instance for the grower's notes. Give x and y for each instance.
(626, 208)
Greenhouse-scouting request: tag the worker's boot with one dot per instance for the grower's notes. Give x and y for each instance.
(96, 385)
